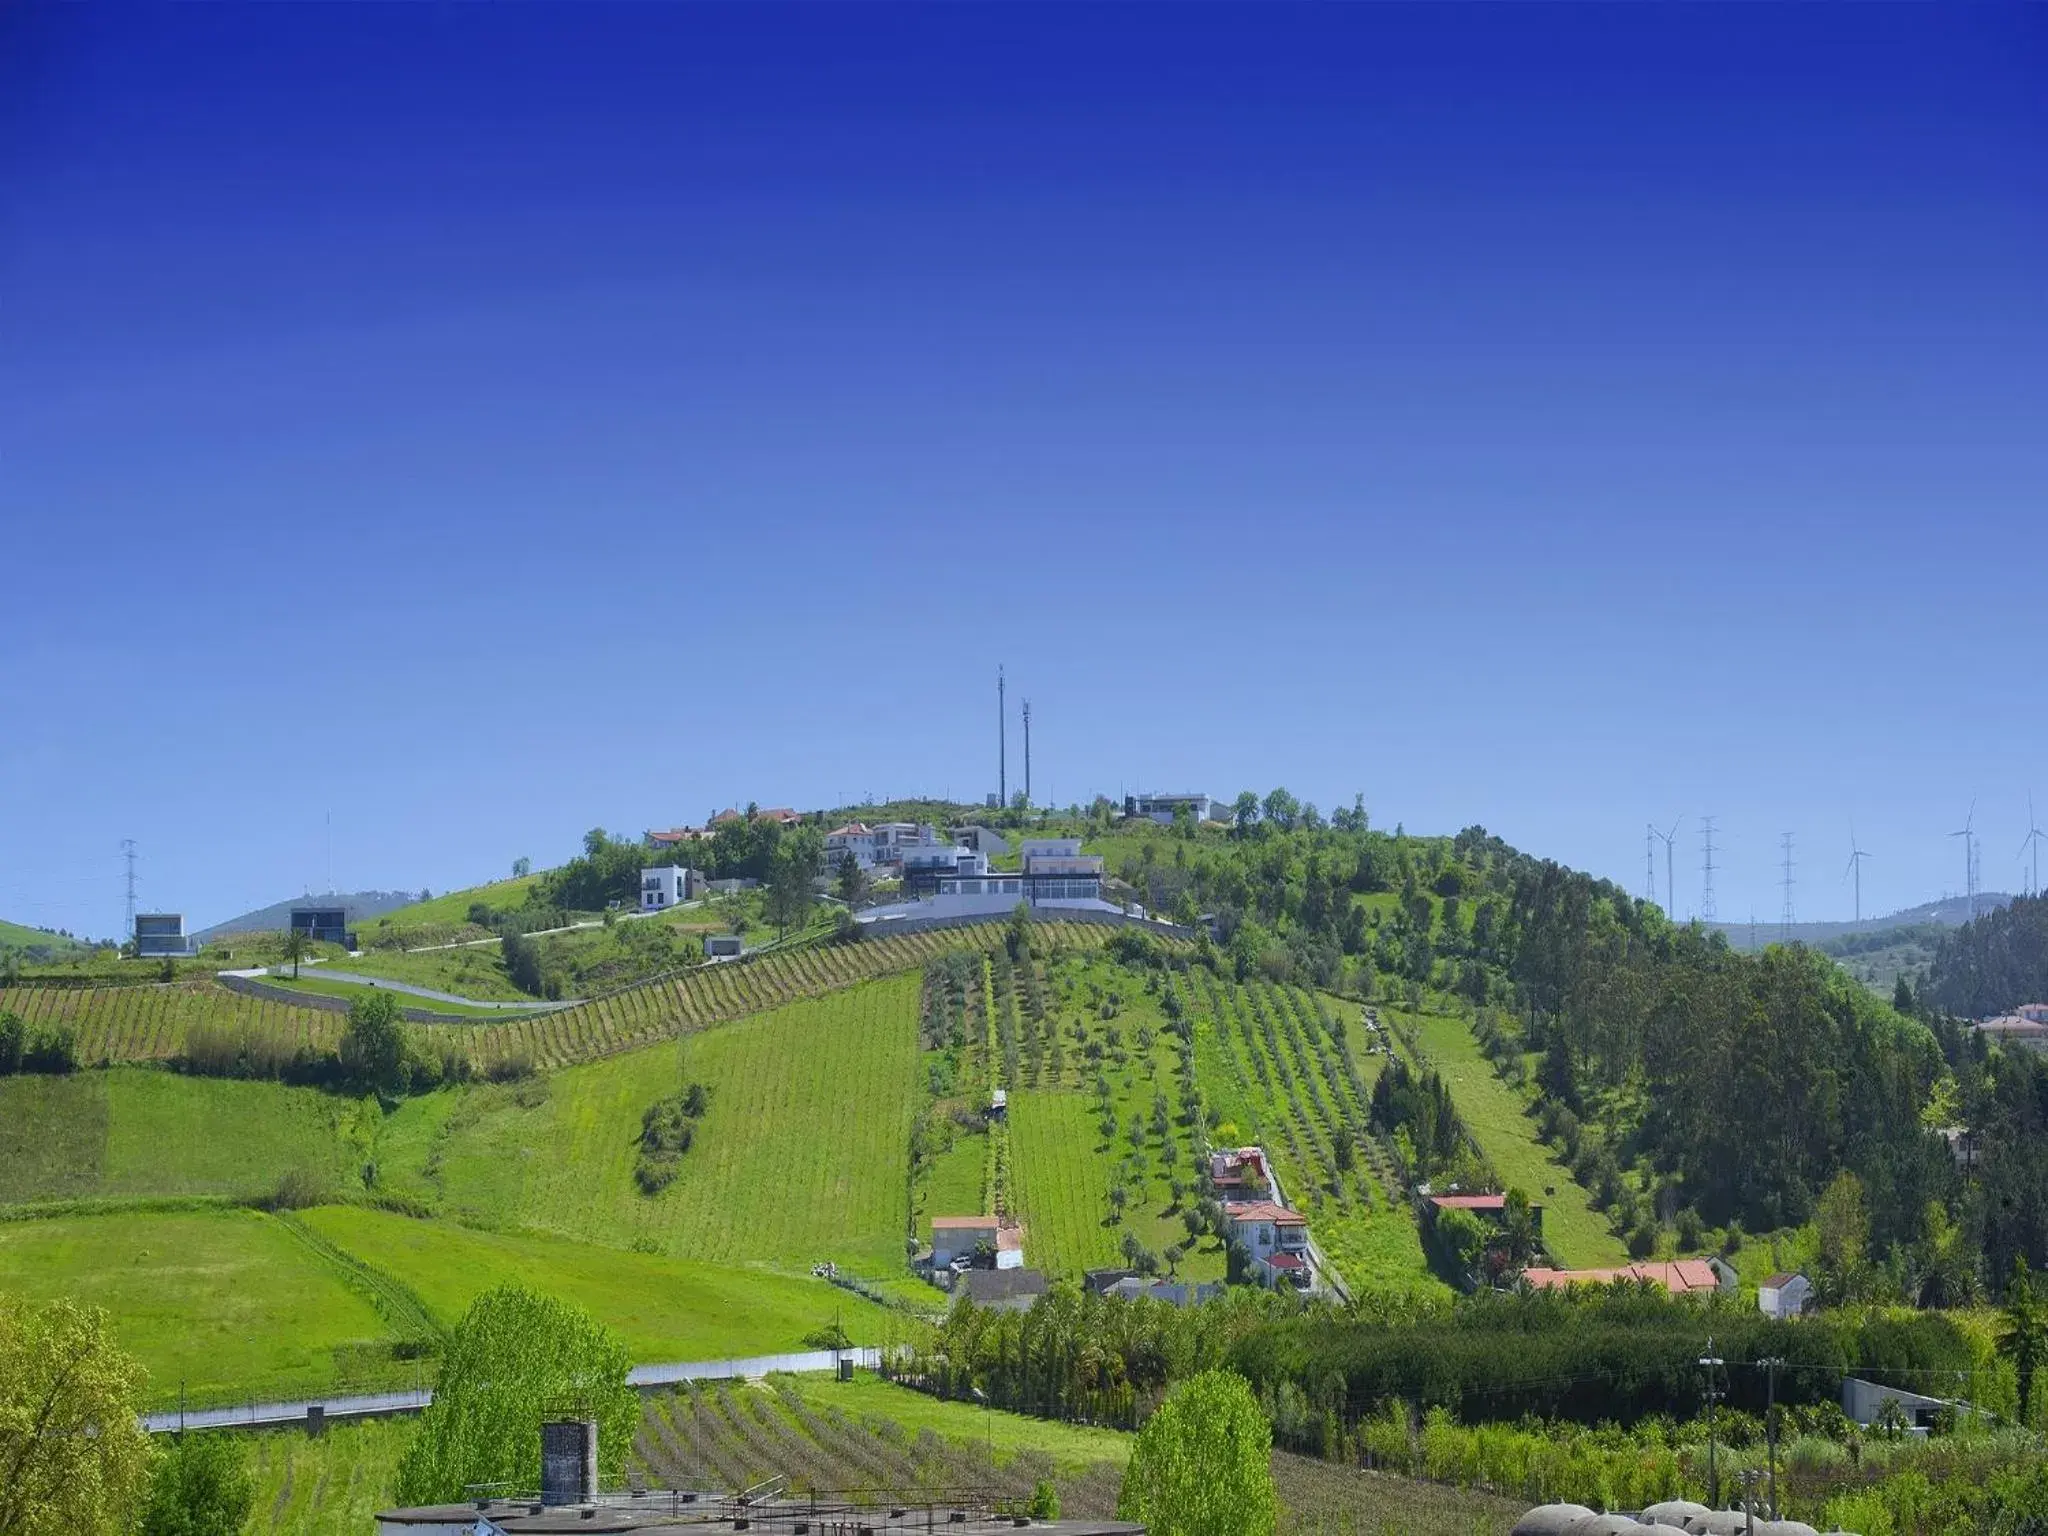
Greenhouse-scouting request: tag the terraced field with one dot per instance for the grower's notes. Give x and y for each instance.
(150, 1022)
(849, 1436)
(1281, 1066)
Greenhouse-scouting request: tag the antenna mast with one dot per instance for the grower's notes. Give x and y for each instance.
(1650, 862)
(1002, 745)
(1785, 915)
(1707, 869)
(1027, 754)
(128, 852)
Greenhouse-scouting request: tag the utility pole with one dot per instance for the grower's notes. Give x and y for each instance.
(1785, 916)
(1710, 1363)
(1002, 745)
(1770, 1364)
(1027, 754)
(1707, 869)
(128, 852)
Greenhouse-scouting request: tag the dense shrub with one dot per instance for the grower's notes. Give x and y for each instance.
(666, 1130)
(26, 1048)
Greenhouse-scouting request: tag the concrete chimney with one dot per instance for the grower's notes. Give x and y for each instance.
(568, 1461)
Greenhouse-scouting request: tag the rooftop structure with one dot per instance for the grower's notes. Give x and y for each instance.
(949, 882)
(781, 813)
(1489, 1204)
(323, 925)
(571, 1500)
(161, 935)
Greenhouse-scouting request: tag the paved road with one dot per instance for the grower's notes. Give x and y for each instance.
(380, 1404)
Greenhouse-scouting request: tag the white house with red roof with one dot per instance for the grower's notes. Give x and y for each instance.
(1275, 1237)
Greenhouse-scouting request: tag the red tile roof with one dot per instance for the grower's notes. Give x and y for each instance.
(1680, 1277)
(1284, 1261)
(1469, 1202)
(1264, 1210)
(944, 1223)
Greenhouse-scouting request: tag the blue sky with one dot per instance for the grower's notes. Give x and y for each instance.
(482, 423)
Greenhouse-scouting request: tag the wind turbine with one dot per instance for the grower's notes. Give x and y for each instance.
(2033, 840)
(1856, 858)
(1669, 910)
(1969, 857)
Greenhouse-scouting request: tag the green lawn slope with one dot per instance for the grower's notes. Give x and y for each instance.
(1577, 1236)
(138, 1131)
(802, 1155)
(663, 1309)
(18, 936)
(228, 1303)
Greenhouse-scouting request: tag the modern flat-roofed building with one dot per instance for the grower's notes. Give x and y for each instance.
(1163, 807)
(668, 886)
(162, 936)
(323, 925)
(957, 882)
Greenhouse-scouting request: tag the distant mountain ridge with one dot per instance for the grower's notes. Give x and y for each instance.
(359, 904)
(1948, 912)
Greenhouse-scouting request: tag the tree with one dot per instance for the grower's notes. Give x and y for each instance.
(1902, 995)
(373, 1046)
(202, 1487)
(790, 873)
(1246, 811)
(2023, 1332)
(516, 1358)
(1281, 808)
(521, 867)
(851, 882)
(296, 943)
(1843, 1225)
(74, 1459)
(521, 957)
(1203, 1463)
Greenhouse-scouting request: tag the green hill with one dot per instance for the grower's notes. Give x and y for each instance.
(37, 943)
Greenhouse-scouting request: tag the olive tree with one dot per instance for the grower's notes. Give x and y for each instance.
(1203, 1463)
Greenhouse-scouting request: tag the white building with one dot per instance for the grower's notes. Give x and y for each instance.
(957, 882)
(1784, 1295)
(669, 886)
(982, 840)
(885, 843)
(1275, 1237)
(723, 946)
(161, 935)
(1162, 808)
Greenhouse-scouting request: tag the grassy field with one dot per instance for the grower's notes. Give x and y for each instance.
(1577, 1236)
(664, 1309)
(332, 1486)
(450, 907)
(229, 1302)
(349, 991)
(473, 970)
(140, 1131)
(801, 1156)
(18, 936)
